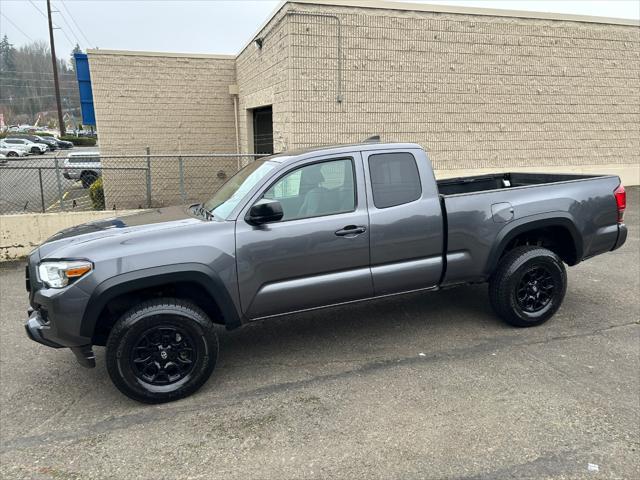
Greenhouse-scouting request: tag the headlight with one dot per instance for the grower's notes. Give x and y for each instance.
(62, 273)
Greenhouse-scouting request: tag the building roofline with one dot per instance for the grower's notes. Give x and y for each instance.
(492, 12)
(271, 16)
(388, 5)
(96, 51)
(425, 7)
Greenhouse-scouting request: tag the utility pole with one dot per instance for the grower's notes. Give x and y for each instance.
(56, 83)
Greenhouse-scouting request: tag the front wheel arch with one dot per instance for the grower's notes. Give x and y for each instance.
(110, 290)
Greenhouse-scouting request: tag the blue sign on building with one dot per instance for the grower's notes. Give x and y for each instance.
(84, 84)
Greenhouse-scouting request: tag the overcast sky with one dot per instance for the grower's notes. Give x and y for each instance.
(205, 26)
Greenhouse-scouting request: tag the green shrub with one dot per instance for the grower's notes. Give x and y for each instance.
(80, 141)
(44, 134)
(96, 193)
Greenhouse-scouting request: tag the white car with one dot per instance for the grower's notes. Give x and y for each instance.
(12, 151)
(83, 166)
(31, 147)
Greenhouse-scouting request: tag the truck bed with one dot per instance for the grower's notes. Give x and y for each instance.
(499, 181)
(478, 210)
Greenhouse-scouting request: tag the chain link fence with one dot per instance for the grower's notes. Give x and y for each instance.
(86, 181)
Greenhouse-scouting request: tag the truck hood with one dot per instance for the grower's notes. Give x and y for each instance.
(135, 224)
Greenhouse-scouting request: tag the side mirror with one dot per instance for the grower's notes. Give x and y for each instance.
(265, 211)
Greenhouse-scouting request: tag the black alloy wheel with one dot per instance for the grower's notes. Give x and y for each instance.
(528, 286)
(164, 355)
(536, 289)
(161, 350)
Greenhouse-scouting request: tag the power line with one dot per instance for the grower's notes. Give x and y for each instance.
(68, 39)
(15, 26)
(26, 98)
(57, 27)
(35, 73)
(31, 80)
(74, 22)
(36, 7)
(42, 87)
(78, 42)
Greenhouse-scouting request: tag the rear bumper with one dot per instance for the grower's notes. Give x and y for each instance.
(622, 236)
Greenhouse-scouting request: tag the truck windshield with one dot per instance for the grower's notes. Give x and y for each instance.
(228, 196)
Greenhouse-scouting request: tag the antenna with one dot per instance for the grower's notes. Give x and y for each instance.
(373, 139)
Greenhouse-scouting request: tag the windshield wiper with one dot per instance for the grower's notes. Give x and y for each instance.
(199, 210)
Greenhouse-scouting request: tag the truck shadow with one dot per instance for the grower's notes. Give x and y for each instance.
(362, 329)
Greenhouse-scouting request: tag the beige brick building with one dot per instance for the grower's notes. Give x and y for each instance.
(479, 89)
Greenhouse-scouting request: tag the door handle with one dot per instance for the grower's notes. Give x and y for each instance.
(351, 231)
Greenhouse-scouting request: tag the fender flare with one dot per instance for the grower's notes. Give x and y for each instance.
(150, 277)
(533, 222)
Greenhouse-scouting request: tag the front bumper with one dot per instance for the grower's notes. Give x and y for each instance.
(38, 330)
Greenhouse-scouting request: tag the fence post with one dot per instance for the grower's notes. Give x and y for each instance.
(183, 194)
(41, 190)
(148, 177)
(60, 200)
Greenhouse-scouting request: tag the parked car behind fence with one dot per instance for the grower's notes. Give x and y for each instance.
(13, 150)
(83, 166)
(32, 147)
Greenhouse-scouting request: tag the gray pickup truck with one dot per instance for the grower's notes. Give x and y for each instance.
(304, 230)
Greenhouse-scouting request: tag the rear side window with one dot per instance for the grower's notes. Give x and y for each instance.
(394, 179)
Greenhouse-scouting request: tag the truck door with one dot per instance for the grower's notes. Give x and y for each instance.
(405, 221)
(318, 254)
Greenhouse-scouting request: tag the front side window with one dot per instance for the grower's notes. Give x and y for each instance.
(325, 188)
(394, 179)
(232, 192)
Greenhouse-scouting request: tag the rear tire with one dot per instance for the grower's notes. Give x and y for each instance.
(12, 154)
(528, 286)
(161, 350)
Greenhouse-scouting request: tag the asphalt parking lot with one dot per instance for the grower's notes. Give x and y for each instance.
(429, 386)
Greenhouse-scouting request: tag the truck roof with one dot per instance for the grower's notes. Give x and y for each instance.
(291, 155)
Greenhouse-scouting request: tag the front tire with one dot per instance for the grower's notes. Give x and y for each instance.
(161, 350)
(528, 286)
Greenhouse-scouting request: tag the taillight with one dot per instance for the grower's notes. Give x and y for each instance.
(621, 201)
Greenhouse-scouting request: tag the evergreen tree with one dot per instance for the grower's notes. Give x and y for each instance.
(7, 56)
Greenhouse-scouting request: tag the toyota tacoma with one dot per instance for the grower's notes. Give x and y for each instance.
(305, 230)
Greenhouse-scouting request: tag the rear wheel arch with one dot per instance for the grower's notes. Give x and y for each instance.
(193, 282)
(560, 228)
